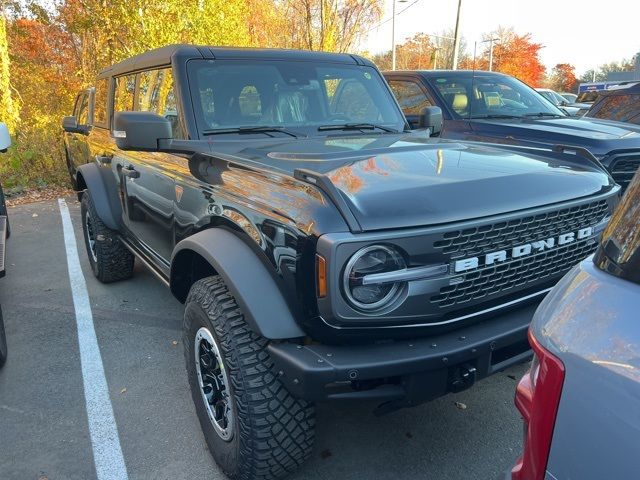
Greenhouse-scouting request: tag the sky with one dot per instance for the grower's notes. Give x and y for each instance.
(584, 33)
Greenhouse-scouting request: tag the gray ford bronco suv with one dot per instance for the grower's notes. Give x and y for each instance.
(322, 250)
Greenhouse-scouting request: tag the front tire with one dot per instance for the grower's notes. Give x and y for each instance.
(254, 428)
(110, 260)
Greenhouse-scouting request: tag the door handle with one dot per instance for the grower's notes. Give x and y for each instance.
(130, 172)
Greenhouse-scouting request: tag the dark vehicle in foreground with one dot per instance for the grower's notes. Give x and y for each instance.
(581, 399)
(493, 107)
(620, 104)
(5, 142)
(323, 250)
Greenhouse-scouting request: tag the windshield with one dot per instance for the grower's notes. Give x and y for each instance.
(587, 97)
(490, 96)
(621, 108)
(293, 98)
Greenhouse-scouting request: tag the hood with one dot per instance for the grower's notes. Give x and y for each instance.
(401, 181)
(598, 136)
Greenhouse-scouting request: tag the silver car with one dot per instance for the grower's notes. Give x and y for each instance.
(580, 401)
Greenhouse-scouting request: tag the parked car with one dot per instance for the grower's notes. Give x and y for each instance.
(585, 99)
(621, 104)
(497, 108)
(558, 100)
(5, 142)
(580, 401)
(323, 250)
(569, 97)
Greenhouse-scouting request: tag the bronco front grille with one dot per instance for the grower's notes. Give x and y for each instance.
(521, 273)
(497, 236)
(514, 275)
(623, 166)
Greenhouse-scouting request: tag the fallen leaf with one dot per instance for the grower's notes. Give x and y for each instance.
(174, 343)
(34, 215)
(123, 390)
(461, 406)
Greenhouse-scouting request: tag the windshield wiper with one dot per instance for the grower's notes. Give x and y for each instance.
(250, 129)
(356, 126)
(542, 114)
(496, 115)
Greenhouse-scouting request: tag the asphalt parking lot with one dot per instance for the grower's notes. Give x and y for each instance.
(44, 431)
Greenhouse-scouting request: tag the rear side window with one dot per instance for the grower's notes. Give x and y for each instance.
(619, 251)
(100, 103)
(621, 108)
(156, 94)
(81, 110)
(124, 93)
(410, 96)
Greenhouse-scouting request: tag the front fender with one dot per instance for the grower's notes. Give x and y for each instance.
(102, 186)
(246, 276)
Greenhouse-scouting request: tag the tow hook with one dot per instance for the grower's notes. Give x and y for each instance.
(463, 378)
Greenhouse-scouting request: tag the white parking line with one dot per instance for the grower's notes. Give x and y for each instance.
(107, 453)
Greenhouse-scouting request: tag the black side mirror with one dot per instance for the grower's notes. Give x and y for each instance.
(140, 130)
(70, 125)
(431, 117)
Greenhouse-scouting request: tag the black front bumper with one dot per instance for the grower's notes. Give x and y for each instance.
(411, 371)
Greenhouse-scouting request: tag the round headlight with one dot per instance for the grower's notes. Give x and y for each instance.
(376, 259)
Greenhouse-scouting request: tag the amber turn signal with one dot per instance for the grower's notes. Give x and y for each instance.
(321, 276)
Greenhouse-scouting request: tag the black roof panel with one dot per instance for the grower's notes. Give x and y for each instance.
(162, 56)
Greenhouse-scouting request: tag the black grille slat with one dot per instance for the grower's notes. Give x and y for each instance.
(516, 274)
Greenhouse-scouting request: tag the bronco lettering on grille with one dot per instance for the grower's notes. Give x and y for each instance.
(522, 250)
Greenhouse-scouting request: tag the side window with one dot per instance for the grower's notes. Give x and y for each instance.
(123, 100)
(81, 110)
(100, 103)
(155, 94)
(410, 96)
(353, 101)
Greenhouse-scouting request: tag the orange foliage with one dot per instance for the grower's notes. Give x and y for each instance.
(513, 54)
(563, 78)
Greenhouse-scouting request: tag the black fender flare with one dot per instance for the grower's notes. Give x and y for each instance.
(245, 275)
(102, 186)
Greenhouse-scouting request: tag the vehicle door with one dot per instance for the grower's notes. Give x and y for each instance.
(76, 145)
(147, 178)
(411, 96)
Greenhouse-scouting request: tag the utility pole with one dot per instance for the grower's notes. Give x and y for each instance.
(491, 40)
(393, 33)
(456, 36)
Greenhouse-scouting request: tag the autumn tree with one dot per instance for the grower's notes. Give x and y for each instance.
(329, 25)
(562, 78)
(8, 106)
(422, 51)
(513, 54)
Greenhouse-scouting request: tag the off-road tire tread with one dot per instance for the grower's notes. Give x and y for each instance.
(276, 429)
(115, 261)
